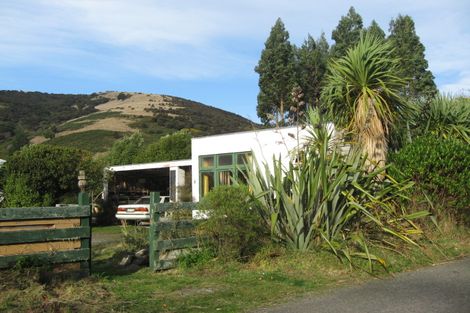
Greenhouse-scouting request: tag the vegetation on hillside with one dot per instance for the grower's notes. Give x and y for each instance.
(62, 119)
(25, 113)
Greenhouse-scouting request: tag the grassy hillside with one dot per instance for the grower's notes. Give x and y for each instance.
(93, 122)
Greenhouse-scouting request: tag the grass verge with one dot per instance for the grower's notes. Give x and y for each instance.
(274, 276)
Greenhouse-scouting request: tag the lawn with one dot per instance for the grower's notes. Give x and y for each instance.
(274, 276)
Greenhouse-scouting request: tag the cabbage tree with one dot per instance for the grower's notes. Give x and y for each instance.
(362, 94)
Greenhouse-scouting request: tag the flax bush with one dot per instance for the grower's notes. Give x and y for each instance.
(325, 197)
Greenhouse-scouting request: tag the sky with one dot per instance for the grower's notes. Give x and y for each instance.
(203, 50)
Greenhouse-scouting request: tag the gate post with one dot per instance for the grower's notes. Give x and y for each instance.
(84, 200)
(154, 232)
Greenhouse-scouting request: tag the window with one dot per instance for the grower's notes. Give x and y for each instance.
(221, 169)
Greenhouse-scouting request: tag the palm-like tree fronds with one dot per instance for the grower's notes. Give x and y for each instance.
(448, 117)
(362, 94)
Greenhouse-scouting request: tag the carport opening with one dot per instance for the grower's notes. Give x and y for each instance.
(127, 186)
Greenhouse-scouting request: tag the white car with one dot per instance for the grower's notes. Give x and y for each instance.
(138, 211)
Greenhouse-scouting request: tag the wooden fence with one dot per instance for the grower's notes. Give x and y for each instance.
(47, 235)
(163, 252)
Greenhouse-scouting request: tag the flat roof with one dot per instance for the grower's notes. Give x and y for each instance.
(275, 129)
(149, 166)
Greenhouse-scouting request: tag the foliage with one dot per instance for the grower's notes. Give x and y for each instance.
(176, 146)
(375, 30)
(134, 238)
(41, 174)
(276, 76)
(447, 117)
(126, 149)
(98, 140)
(362, 94)
(18, 193)
(123, 96)
(234, 227)
(196, 257)
(196, 117)
(311, 62)
(440, 167)
(34, 110)
(20, 139)
(409, 50)
(347, 33)
(325, 198)
(78, 111)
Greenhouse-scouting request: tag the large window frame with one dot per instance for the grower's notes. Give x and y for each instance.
(216, 164)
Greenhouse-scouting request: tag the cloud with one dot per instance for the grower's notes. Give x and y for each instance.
(193, 40)
(460, 86)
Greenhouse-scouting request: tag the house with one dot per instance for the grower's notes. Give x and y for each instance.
(214, 161)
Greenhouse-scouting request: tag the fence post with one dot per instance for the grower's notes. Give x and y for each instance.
(84, 200)
(154, 233)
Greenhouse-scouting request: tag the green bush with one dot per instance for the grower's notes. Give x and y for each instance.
(441, 167)
(123, 96)
(234, 228)
(42, 174)
(176, 146)
(196, 257)
(134, 238)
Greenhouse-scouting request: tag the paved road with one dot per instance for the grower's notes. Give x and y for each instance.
(443, 288)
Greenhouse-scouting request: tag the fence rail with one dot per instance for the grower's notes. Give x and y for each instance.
(160, 250)
(47, 235)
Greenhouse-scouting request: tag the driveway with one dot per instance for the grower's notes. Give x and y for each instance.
(105, 238)
(443, 288)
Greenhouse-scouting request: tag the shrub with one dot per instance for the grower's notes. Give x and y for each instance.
(123, 96)
(176, 146)
(234, 228)
(41, 174)
(440, 167)
(134, 238)
(196, 257)
(325, 197)
(448, 117)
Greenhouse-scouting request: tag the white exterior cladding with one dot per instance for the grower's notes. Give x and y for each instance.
(264, 144)
(147, 166)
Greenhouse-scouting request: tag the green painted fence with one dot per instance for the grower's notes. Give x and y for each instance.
(47, 235)
(160, 248)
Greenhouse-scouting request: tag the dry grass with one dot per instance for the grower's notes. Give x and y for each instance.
(111, 123)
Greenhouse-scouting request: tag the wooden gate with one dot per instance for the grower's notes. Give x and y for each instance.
(47, 235)
(164, 250)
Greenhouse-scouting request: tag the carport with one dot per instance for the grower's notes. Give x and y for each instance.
(127, 183)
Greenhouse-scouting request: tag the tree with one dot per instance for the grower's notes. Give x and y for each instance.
(176, 146)
(347, 33)
(42, 174)
(311, 60)
(20, 139)
(276, 76)
(126, 149)
(375, 30)
(362, 94)
(409, 50)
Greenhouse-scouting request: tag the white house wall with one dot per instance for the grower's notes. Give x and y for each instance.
(264, 144)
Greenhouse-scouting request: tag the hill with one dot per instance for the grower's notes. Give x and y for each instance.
(93, 122)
